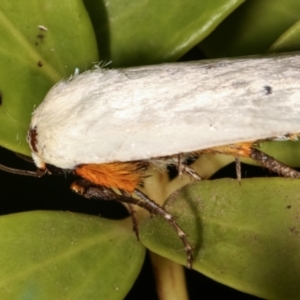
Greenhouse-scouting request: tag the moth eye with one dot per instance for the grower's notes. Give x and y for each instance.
(32, 139)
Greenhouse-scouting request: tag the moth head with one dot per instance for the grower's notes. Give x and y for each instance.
(32, 139)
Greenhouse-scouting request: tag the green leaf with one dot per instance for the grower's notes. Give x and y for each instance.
(61, 255)
(32, 59)
(252, 28)
(287, 152)
(146, 32)
(245, 236)
(288, 41)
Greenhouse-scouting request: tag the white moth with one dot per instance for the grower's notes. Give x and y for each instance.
(139, 113)
(109, 125)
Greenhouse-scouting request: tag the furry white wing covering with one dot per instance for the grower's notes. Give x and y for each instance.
(137, 113)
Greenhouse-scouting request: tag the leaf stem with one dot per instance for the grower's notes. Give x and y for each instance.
(169, 278)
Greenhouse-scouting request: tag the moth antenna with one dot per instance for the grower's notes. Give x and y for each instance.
(39, 173)
(238, 169)
(272, 164)
(25, 157)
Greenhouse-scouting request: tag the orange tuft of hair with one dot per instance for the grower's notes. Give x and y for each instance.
(240, 149)
(125, 176)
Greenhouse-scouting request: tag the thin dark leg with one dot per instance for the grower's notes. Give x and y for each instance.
(154, 208)
(135, 223)
(238, 169)
(86, 189)
(272, 164)
(183, 168)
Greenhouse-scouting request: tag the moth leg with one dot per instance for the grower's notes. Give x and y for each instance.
(272, 164)
(183, 168)
(154, 208)
(237, 150)
(135, 223)
(180, 165)
(88, 190)
(238, 169)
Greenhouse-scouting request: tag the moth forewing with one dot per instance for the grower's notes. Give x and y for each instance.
(104, 116)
